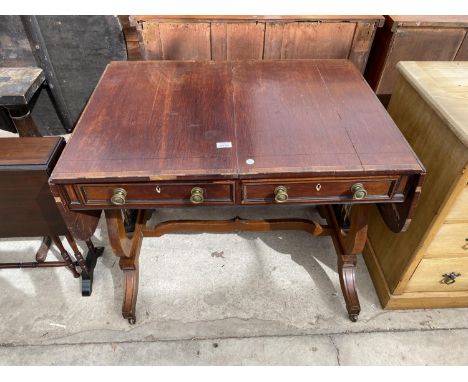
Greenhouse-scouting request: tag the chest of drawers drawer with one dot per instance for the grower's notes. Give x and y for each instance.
(150, 194)
(450, 240)
(320, 190)
(440, 275)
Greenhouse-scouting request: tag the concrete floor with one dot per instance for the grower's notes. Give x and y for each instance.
(206, 299)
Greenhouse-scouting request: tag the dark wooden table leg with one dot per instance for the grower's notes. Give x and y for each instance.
(87, 265)
(128, 250)
(21, 117)
(347, 246)
(65, 256)
(41, 254)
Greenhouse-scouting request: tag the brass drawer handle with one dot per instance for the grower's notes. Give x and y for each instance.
(449, 278)
(281, 194)
(196, 196)
(118, 196)
(359, 192)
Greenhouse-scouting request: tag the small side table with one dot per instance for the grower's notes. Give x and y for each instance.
(17, 88)
(28, 208)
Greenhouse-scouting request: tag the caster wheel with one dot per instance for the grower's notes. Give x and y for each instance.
(353, 317)
(132, 320)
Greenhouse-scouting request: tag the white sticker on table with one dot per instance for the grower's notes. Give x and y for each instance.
(223, 145)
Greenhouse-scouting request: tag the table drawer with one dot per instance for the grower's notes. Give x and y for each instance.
(307, 191)
(450, 240)
(429, 275)
(147, 194)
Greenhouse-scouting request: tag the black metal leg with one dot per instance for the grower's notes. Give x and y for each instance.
(87, 265)
(91, 260)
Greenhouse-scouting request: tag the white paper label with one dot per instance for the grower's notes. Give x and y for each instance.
(223, 145)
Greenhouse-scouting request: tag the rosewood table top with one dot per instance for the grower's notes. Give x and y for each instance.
(169, 120)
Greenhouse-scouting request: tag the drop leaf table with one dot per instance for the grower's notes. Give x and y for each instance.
(161, 134)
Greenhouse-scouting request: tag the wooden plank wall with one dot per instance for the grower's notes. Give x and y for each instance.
(255, 40)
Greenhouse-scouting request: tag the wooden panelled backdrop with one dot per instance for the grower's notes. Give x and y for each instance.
(250, 37)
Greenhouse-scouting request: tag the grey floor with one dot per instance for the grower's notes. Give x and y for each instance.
(206, 299)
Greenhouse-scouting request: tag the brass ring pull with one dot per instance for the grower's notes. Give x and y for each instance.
(449, 278)
(359, 192)
(118, 196)
(281, 194)
(196, 196)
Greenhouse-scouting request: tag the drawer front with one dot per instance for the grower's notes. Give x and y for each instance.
(459, 209)
(309, 191)
(148, 194)
(450, 240)
(428, 276)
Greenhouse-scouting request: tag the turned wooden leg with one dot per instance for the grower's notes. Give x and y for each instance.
(128, 250)
(41, 254)
(24, 124)
(65, 256)
(347, 246)
(79, 257)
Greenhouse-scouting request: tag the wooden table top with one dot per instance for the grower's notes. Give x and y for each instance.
(18, 85)
(155, 120)
(444, 86)
(27, 151)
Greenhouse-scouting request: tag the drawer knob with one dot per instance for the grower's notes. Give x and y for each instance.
(281, 194)
(118, 196)
(196, 196)
(358, 190)
(449, 278)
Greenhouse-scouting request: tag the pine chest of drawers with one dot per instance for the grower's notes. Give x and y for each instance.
(427, 266)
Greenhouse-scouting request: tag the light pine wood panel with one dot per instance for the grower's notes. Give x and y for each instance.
(412, 300)
(459, 209)
(429, 275)
(450, 240)
(443, 86)
(237, 41)
(424, 129)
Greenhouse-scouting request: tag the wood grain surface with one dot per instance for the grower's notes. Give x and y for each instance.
(231, 38)
(166, 120)
(32, 151)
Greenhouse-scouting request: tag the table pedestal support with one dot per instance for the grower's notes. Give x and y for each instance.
(347, 245)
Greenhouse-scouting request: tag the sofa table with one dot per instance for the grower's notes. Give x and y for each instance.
(161, 134)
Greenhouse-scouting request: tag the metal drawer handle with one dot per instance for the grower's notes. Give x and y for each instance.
(196, 196)
(118, 196)
(449, 278)
(358, 190)
(281, 194)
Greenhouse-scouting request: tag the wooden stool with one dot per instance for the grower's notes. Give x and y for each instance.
(28, 208)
